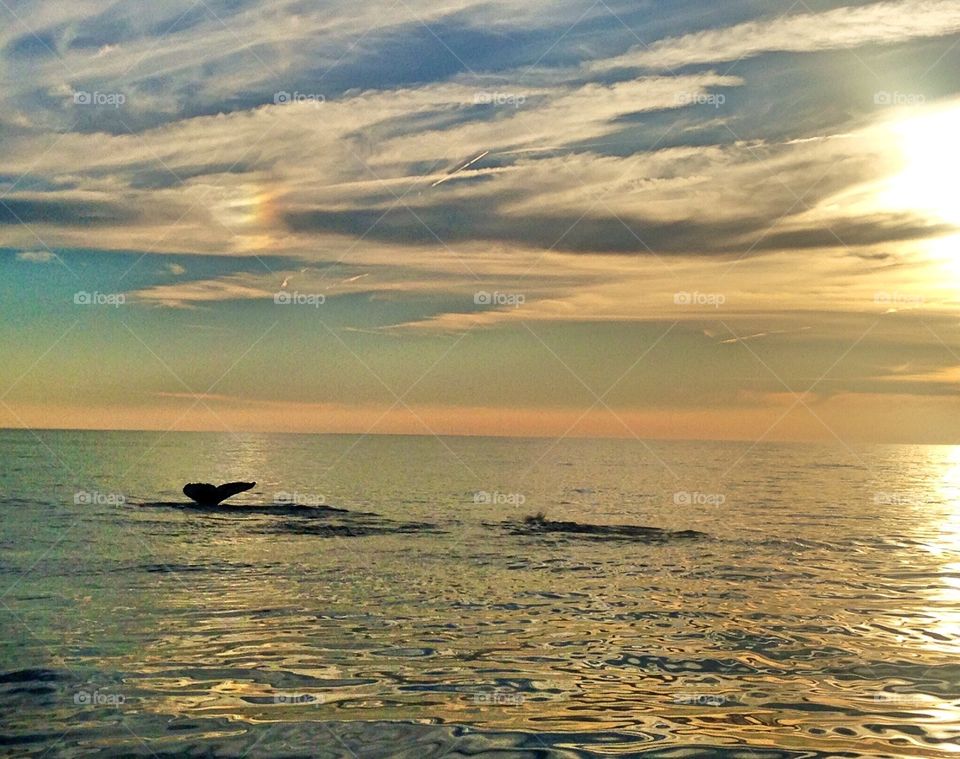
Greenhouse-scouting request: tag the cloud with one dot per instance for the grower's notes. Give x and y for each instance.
(191, 294)
(176, 61)
(36, 256)
(846, 27)
(584, 159)
(876, 229)
(604, 233)
(63, 211)
(371, 142)
(367, 175)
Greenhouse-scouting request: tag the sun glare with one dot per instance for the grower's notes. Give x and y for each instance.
(931, 165)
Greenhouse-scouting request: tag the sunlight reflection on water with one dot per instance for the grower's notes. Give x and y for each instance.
(820, 614)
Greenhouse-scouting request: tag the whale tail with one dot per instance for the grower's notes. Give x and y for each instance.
(211, 495)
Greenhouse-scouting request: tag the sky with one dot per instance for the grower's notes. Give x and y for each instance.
(691, 219)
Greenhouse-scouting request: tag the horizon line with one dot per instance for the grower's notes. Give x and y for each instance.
(366, 433)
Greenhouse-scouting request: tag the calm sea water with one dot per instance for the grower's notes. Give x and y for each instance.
(818, 617)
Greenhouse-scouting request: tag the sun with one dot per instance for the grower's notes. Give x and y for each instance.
(929, 179)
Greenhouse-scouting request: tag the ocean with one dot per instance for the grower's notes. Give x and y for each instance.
(813, 611)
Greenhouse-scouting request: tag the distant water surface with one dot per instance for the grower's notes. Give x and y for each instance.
(819, 617)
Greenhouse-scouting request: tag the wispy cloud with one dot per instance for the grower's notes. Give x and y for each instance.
(36, 256)
(192, 294)
(846, 27)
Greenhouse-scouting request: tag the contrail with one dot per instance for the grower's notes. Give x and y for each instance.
(286, 279)
(756, 335)
(457, 171)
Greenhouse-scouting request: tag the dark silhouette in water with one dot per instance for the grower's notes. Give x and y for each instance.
(211, 495)
(258, 509)
(536, 524)
(290, 518)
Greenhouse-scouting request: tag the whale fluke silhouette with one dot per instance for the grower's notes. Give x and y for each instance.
(211, 495)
